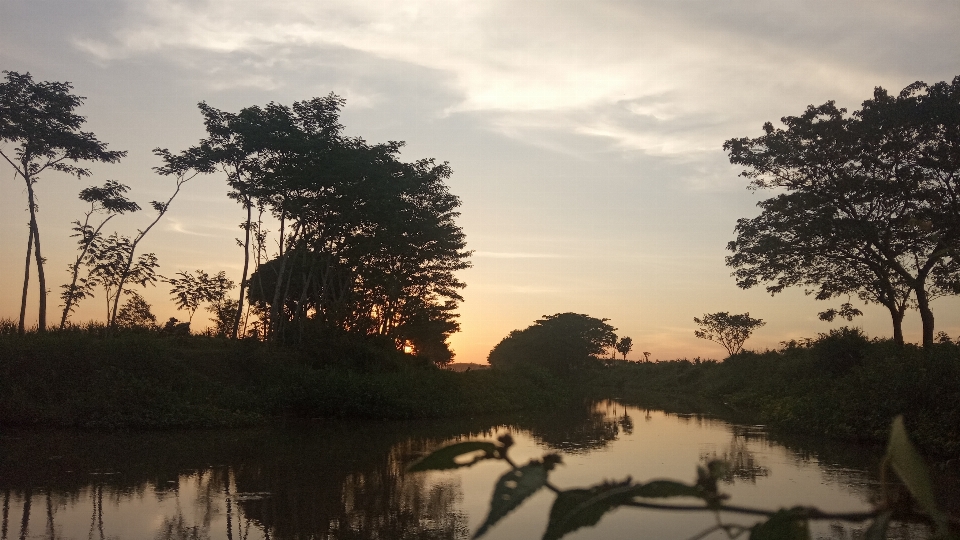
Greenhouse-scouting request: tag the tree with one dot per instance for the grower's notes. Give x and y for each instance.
(109, 199)
(191, 290)
(870, 202)
(114, 268)
(39, 118)
(727, 330)
(624, 346)
(563, 343)
(224, 311)
(249, 147)
(136, 314)
(115, 262)
(368, 244)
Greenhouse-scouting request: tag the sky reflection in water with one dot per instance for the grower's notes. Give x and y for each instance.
(346, 480)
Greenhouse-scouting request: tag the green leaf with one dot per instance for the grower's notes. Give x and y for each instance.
(456, 455)
(666, 488)
(578, 508)
(511, 490)
(878, 529)
(784, 525)
(573, 509)
(909, 466)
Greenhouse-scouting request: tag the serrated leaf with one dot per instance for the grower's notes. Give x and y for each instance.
(512, 489)
(447, 457)
(909, 466)
(878, 528)
(784, 525)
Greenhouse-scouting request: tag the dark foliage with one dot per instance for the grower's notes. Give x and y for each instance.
(563, 343)
(841, 385)
(869, 202)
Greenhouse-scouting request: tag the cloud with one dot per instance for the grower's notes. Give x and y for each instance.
(658, 77)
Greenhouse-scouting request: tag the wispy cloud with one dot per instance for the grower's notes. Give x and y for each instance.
(655, 76)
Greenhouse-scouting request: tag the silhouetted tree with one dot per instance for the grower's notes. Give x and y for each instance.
(727, 330)
(624, 346)
(562, 343)
(369, 244)
(116, 260)
(39, 118)
(135, 313)
(191, 290)
(114, 268)
(870, 202)
(111, 200)
(224, 311)
(249, 147)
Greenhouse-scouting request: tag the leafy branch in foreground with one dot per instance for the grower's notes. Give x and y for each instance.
(584, 507)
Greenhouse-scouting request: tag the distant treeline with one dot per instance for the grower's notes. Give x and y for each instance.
(841, 385)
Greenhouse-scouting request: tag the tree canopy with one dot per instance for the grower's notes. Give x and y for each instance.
(562, 343)
(870, 202)
(730, 331)
(39, 118)
(367, 243)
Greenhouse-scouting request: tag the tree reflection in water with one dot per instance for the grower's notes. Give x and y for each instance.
(334, 481)
(581, 429)
(331, 480)
(742, 462)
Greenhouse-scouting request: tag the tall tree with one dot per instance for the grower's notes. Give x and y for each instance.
(248, 146)
(116, 261)
(109, 199)
(870, 202)
(39, 119)
(373, 248)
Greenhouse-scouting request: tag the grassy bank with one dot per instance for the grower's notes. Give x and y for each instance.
(843, 386)
(147, 380)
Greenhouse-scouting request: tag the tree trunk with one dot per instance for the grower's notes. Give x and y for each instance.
(896, 316)
(25, 518)
(274, 323)
(26, 284)
(41, 281)
(4, 521)
(246, 268)
(926, 315)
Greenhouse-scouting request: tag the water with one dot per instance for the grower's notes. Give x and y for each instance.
(346, 480)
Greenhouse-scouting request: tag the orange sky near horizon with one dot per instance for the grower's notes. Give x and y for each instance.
(585, 138)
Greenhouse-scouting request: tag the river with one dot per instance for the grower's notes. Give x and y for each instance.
(347, 480)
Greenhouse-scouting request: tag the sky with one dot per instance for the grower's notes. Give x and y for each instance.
(585, 137)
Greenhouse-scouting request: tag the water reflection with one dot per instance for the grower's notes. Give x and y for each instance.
(581, 429)
(334, 481)
(743, 463)
(342, 480)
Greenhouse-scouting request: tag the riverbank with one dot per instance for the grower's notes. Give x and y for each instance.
(842, 386)
(151, 381)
